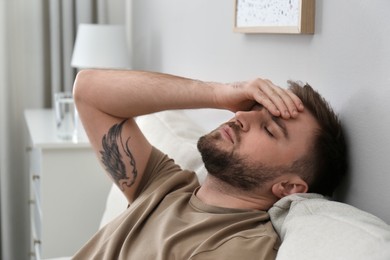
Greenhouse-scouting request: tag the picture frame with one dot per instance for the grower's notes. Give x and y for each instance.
(274, 16)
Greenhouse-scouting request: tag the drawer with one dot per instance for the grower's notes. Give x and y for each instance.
(36, 194)
(36, 210)
(35, 161)
(36, 234)
(36, 250)
(36, 224)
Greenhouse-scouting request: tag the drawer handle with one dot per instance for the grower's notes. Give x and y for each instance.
(35, 177)
(37, 241)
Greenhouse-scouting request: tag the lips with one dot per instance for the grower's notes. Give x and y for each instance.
(227, 133)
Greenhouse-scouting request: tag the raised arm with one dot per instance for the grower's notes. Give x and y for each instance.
(108, 101)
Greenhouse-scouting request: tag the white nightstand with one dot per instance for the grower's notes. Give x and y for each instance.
(68, 189)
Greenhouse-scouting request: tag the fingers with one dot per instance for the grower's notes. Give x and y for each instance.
(280, 102)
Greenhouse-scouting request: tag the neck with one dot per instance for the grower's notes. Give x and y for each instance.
(217, 193)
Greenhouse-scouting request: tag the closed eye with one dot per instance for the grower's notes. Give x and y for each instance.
(268, 132)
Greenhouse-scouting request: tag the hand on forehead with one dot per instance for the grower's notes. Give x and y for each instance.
(278, 101)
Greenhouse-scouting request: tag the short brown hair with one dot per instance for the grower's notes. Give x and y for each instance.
(327, 161)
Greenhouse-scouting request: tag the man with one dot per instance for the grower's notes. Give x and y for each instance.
(273, 147)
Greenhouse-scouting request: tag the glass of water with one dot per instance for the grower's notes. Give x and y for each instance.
(66, 116)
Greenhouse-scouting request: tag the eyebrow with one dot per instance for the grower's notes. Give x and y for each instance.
(281, 124)
(278, 120)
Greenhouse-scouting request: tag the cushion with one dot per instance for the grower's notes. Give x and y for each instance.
(313, 227)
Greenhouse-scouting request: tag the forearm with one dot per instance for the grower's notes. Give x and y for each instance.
(128, 94)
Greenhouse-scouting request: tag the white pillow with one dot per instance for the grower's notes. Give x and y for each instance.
(174, 133)
(312, 227)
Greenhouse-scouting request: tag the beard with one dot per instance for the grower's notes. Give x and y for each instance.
(232, 169)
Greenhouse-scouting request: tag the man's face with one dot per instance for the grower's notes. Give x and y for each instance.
(256, 147)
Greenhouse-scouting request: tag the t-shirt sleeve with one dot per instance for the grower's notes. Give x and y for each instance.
(160, 172)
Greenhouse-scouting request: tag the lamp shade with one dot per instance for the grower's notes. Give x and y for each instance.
(100, 46)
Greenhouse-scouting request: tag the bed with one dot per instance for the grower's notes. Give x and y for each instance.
(309, 225)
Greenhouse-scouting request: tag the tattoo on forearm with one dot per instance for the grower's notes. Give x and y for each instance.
(112, 159)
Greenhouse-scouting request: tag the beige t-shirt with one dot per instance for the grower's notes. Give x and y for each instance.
(168, 221)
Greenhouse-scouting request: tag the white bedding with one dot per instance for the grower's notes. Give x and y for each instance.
(312, 227)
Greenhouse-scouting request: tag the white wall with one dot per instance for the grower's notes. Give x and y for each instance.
(347, 60)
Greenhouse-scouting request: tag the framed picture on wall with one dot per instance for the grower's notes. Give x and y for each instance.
(274, 16)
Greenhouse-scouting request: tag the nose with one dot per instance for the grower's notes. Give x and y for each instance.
(243, 119)
(246, 119)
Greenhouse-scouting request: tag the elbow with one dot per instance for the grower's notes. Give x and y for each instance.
(81, 85)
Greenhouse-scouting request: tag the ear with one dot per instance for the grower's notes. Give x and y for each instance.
(289, 185)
